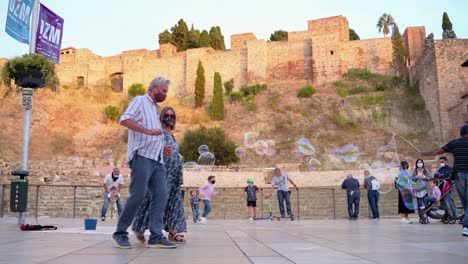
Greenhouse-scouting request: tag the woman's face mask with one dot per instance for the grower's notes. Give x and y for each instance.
(442, 164)
(419, 164)
(169, 120)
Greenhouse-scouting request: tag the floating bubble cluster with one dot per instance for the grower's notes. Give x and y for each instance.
(191, 164)
(202, 149)
(260, 147)
(107, 153)
(240, 152)
(271, 149)
(314, 164)
(206, 160)
(250, 138)
(346, 153)
(304, 147)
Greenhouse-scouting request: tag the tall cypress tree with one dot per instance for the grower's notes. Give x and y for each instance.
(193, 38)
(200, 85)
(218, 100)
(165, 37)
(399, 55)
(179, 34)
(205, 40)
(447, 32)
(217, 38)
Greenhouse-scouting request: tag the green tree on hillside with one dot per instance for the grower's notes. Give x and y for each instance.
(385, 22)
(200, 85)
(165, 37)
(193, 38)
(399, 54)
(353, 35)
(205, 40)
(279, 35)
(217, 38)
(447, 32)
(215, 138)
(218, 100)
(179, 34)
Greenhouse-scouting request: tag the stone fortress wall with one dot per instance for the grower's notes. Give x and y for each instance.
(320, 54)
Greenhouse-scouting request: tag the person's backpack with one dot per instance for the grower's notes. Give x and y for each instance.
(375, 186)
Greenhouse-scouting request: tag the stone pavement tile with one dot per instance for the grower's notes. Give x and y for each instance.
(457, 248)
(188, 260)
(270, 260)
(413, 257)
(306, 252)
(197, 251)
(256, 249)
(80, 259)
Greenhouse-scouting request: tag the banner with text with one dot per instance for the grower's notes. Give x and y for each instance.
(18, 19)
(49, 34)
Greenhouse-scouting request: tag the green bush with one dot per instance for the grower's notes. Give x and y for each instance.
(368, 100)
(209, 110)
(359, 74)
(228, 86)
(357, 89)
(341, 84)
(272, 101)
(112, 113)
(418, 103)
(252, 89)
(306, 91)
(215, 138)
(136, 89)
(235, 97)
(342, 91)
(60, 142)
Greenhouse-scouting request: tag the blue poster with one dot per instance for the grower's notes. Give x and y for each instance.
(49, 34)
(18, 19)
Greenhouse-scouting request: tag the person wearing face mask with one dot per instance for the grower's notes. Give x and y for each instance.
(174, 215)
(445, 173)
(405, 193)
(420, 176)
(145, 155)
(206, 191)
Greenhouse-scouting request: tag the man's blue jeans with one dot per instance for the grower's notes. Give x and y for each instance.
(207, 208)
(461, 183)
(373, 197)
(147, 176)
(284, 196)
(429, 200)
(106, 205)
(354, 199)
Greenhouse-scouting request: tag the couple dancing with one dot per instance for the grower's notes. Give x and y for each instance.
(155, 200)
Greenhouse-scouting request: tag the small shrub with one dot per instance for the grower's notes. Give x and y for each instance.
(250, 106)
(60, 142)
(359, 74)
(209, 110)
(135, 90)
(418, 103)
(228, 86)
(342, 91)
(341, 84)
(252, 89)
(112, 113)
(357, 89)
(235, 97)
(306, 91)
(272, 101)
(368, 100)
(200, 119)
(375, 115)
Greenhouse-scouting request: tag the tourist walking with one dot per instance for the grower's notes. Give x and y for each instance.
(114, 179)
(353, 196)
(206, 192)
(371, 184)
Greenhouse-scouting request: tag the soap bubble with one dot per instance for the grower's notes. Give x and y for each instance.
(314, 164)
(270, 150)
(202, 149)
(107, 153)
(206, 160)
(384, 172)
(364, 166)
(304, 147)
(347, 153)
(240, 152)
(190, 165)
(250, 138)
(260, 147)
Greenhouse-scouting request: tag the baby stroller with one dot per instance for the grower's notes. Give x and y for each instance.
(445, 186)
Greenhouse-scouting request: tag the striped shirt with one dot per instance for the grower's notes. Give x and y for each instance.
(144, 111)
(459, 149)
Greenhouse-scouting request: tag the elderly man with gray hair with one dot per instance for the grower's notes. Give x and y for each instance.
(372, 185)
(145, 151)
(353, 194)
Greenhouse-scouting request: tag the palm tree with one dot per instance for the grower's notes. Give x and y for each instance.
(384, 23)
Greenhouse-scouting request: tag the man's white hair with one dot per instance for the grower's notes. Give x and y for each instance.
(158, 81)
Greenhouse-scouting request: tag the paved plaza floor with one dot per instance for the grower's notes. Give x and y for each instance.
(243, 241)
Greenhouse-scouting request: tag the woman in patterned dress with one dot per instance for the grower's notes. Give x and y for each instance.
(174, 215)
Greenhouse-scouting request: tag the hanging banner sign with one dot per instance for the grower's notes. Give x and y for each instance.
(18, 19)
(49, 34)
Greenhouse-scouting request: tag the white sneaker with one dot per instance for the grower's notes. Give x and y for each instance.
(404, 221)
(251, 218)
(409, 221)
(203, 221)
(465, 231)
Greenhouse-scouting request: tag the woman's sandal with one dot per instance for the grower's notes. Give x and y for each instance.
(140, 236)
(177, 237)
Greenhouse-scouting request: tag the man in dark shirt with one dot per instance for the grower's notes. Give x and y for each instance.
(459, 149)
(354, 196)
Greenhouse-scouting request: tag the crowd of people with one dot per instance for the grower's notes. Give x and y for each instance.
(155, 202)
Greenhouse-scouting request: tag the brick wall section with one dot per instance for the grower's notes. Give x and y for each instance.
(453, 81)
(414, 38)
(326, 61)
(424, 73)
(239, 41)
(458, 116)
(375, 54)
(330, 24)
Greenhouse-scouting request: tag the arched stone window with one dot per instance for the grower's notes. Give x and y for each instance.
(80, 81)
(117, 81)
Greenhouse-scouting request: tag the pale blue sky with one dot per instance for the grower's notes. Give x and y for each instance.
(108, 27)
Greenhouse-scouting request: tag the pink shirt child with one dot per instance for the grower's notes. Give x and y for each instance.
(206, 191)
(436, 193)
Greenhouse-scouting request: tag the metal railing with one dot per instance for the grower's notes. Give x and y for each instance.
(299, 199)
